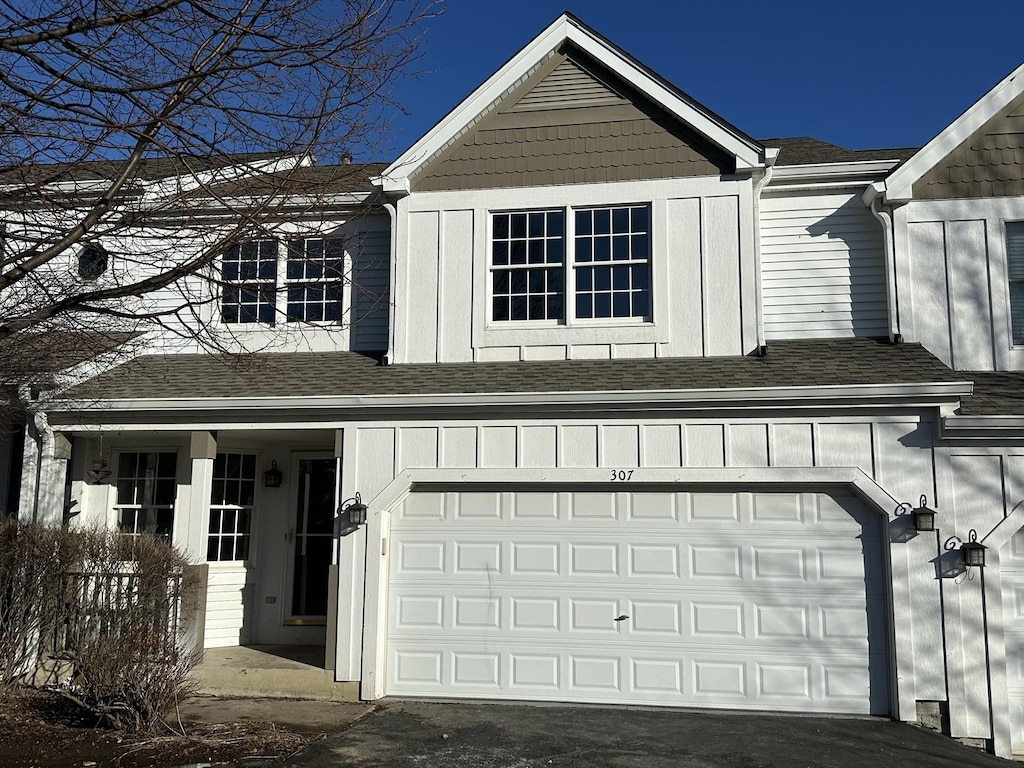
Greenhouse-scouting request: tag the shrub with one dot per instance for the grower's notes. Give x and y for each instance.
(107, 607)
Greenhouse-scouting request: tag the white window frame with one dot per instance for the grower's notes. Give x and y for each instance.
(136, 505)
(284, 244)
(571, 267)
(219, 508)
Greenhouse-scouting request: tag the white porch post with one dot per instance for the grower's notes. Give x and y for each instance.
(29, 477)
(52, 477)
(203, 450)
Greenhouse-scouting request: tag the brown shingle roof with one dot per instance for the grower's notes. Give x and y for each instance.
(995, 394)
(803, 150)
(788, 364)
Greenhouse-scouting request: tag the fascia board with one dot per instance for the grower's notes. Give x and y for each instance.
(395, 178)
(899, 186)
(855, 171)
(932, 394)
(983, 426)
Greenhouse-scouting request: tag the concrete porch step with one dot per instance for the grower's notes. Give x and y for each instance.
(285, 671)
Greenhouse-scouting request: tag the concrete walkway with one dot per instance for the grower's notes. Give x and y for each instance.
(431, 735)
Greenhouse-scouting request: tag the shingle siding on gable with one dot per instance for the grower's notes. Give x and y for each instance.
(989, 164)
(567, 126)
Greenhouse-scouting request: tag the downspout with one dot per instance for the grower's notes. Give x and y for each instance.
(873, 197)
(771, 155)
(389, 356)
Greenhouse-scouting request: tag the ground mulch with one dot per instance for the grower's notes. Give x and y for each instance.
(41, 729)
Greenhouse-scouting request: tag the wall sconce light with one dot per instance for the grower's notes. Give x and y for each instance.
(273, 478)
(922, 516)
(99, 472)
(972, 551)
(355, 509)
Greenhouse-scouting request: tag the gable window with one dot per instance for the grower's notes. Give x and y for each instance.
(231, 505)
(145, 493)
(1015, 274)
(306, 287)
(603, 272)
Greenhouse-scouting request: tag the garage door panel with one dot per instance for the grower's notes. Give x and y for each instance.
(745, 600)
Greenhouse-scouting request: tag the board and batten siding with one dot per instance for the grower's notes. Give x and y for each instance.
(822, 266)
(702, 263)
(952, 280)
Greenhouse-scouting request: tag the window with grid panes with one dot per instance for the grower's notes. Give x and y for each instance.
(231, 505)
(1015, 275)
(314, 279)
(599, 270)
(146, 484)
(307, 287)
(249, 293)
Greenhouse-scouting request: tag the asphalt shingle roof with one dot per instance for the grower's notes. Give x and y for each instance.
(803, 150)
(996, 393)
(788, 364)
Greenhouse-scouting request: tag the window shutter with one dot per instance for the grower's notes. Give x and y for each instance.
(1015, 273)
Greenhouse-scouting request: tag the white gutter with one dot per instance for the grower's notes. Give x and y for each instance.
(812, 171)
(991, 426)
(872, 197)
(745, 397)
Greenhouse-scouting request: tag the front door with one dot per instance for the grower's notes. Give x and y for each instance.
(313, 540)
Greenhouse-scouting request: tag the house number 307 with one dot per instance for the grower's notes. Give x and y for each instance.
(621, 475)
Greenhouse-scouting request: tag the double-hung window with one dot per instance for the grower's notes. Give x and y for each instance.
(231, 505)
(571, 264)
(1015, 275)
(145, 493)
(307, 285)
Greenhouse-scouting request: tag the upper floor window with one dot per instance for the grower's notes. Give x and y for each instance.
(1015, 274)
(597, 267)
(306, 287)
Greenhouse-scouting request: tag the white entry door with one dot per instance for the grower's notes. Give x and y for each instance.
(699, 598)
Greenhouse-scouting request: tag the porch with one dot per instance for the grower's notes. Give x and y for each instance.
(279, 671)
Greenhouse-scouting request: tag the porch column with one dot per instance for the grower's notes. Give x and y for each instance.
(202, 451)
(53, 475)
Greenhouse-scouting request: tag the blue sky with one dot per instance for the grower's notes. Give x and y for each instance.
(859, 74)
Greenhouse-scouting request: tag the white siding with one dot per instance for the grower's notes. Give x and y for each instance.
(952, 280)
(228, 598)
(702, 286)
(823, 267)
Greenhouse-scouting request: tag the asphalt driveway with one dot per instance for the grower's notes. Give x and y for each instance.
(405, 734)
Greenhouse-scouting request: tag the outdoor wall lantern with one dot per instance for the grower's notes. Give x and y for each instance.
(355, 509)
(972, 551)
(273, 478)
(922, 517)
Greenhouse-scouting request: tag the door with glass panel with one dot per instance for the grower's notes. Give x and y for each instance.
(312, 539)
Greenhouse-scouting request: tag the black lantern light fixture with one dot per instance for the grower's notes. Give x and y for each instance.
(923, 515)
(355, 509)
(973, 551)
(273, 478)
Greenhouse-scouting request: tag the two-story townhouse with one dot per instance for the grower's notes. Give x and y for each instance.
(645, 423)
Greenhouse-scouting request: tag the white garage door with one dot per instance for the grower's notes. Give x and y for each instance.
(701, 598)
